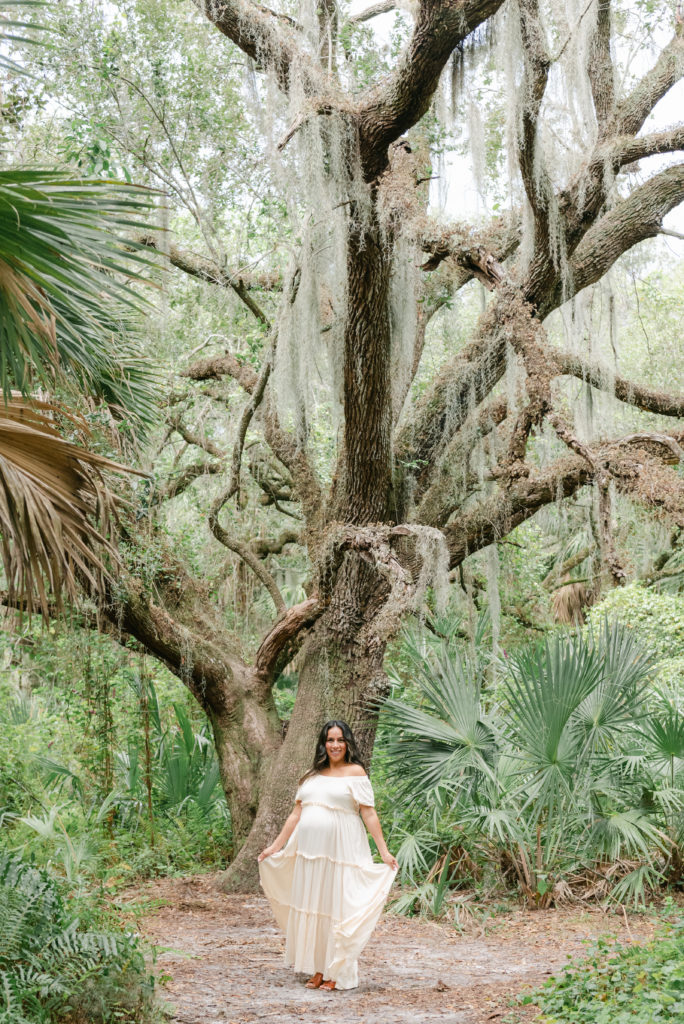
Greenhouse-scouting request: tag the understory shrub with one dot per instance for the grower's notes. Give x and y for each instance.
(56, 966)
(564, 778)
(640, 984)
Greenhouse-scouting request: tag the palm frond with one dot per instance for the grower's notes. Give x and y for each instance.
(66, 275)
(635, 885)
(52, 495)
(9, 35)
(447, 741)
(623, 834)
(663, 731)
(545, 686)
(617, 700)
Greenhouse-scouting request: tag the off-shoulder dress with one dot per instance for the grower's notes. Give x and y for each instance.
(325, 890)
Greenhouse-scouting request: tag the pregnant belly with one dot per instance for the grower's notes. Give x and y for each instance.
(318, 828)
(332, 834)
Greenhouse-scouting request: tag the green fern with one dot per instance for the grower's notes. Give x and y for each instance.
(50, 965)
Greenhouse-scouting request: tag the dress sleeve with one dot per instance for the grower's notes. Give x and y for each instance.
(362, 791)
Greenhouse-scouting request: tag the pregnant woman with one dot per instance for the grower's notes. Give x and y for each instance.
(325, 890)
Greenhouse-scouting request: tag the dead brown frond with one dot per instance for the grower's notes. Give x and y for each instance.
(56, 510)
(569, 601)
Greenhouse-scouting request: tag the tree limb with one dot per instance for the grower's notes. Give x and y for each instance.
(500, 513)
(660, 402)
(602, 479)
(190, 437)
(462, 384)
(271, 43)
(458, 243)
(178, 484)
(262, 546)
(638, 465)
(536, 65)
(393, 107)
(205, 269)
(448, 488)
(211, 670)
(276, 649)
(631, 113)
(600, 65)
(631, 221)
(581, 201)
(558, 575)
(246, 554)
(628, 150)
(226, 365)
(383, 7)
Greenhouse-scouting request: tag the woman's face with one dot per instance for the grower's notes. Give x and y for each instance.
(335, 745)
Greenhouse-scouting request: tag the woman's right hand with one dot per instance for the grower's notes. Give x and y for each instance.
(266, 852)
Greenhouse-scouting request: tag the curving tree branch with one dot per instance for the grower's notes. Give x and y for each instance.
(631, 113)
(226, 365)
(391, 108)
(176, 485)
(246, 554)
(279, 645)
(271, 42)
(383, 7)
(660, 402)
(629, 222)
(638, 464)
(628, 150)
(205, 269)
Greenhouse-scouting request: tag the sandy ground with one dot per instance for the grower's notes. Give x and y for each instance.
(220, 961)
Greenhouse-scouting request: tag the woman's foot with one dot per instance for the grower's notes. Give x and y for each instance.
(327, 985)
(315, 981)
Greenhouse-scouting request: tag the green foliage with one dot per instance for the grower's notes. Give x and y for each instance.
(656, 618)
(62, 259)
(109, 772)
(570, 773)
(619, 985)
(53, 965)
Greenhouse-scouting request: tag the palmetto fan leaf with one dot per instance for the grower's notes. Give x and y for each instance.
(447, 741)
(663, 731)
(623, 834)
(65, 279)
(546, 685)
(8, 30)
(51, 494)
(618, 698)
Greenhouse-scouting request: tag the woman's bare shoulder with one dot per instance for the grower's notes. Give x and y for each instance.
(356, 770)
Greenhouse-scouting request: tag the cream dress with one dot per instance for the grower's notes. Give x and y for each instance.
(325, 890)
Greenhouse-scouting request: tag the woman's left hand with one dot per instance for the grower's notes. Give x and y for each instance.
(390, 861)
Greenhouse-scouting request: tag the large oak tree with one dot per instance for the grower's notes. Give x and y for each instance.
(404, 502)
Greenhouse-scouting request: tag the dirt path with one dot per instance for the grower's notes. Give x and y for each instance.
(223, 956)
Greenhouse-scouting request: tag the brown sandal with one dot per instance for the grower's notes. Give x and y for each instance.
(315, 981)
(327, 985)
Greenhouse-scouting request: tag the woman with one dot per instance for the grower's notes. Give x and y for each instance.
(325, 890)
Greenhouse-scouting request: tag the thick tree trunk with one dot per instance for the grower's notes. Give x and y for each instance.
(341, 677)
(367, 457)
(246, 743)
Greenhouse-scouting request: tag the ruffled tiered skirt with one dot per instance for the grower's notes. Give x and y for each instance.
(326, 892)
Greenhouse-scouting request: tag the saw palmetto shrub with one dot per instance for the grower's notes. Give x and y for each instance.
(564, 780)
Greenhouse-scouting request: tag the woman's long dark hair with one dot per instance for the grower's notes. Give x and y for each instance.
(321, 759)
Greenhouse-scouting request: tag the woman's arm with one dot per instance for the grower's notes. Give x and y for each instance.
(372, 823)
(284, 834)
